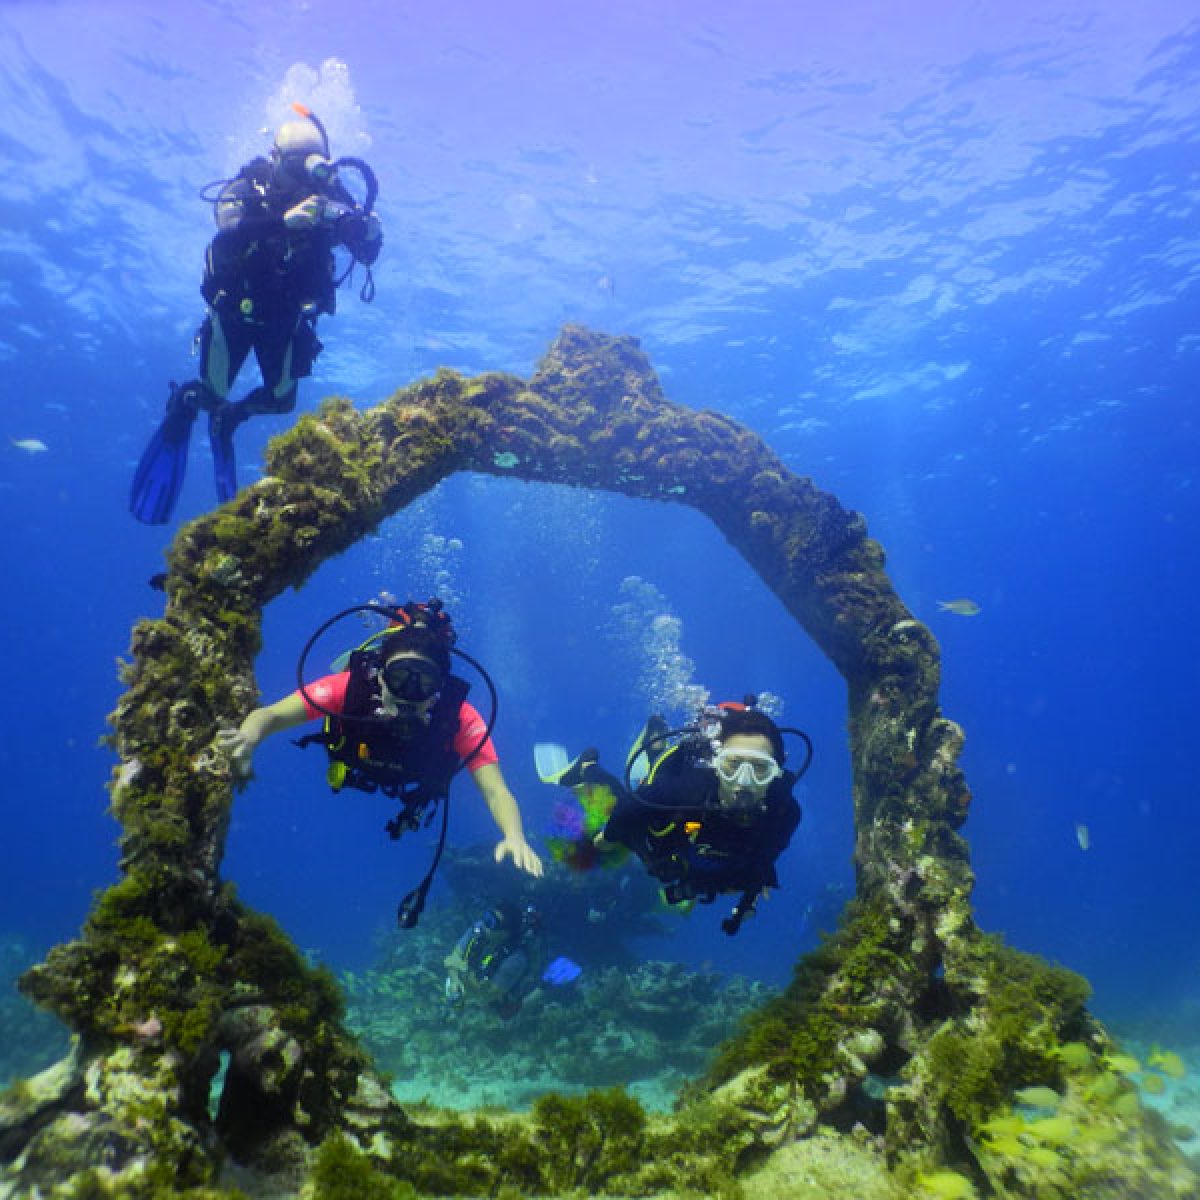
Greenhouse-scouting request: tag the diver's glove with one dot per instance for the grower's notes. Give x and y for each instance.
(306, 215)
(453, 990)
(361, 234)
(741, 910)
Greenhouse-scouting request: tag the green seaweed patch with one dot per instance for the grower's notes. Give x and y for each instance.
(588, 1140)
(836, 990)
(343, 1172)
(1026, 1006)
(306, 997)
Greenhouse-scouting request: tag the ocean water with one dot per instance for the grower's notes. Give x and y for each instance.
(946, 264)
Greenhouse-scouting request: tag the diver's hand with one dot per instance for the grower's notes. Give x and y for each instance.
(361, 234)
(305, 215)
(522, 854)
(239, 749)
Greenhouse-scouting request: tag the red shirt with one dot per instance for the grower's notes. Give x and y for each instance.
(330, 693)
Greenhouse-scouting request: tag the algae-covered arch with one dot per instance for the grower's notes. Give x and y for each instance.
(899, 1042)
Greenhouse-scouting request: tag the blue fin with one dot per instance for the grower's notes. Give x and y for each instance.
(561, 971)
(158, 479)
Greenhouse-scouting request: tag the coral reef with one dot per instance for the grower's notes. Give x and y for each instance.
(647, 1025)
(906, 1039)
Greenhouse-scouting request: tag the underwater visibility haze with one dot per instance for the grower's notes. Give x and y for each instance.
(945, 262)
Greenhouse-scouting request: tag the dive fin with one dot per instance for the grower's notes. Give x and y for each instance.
(551, 761)
(647, 748)
(158, 479)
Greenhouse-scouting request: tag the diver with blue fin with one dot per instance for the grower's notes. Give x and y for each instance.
(707, 808)
(269, 273)
(501, 959)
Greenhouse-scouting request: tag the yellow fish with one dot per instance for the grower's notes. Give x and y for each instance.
(1082, 836)
(961, 607)
(30, 445)
(1125, 1064)
(1056, 1130)
(1167, 1061)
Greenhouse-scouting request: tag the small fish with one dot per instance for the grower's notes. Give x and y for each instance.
(607, 284)
(961, 607)
(1057, 1130)
(1124, 1064)
(30, 445)
(1082, 836)
(1167, 1061)
(1037, 1097)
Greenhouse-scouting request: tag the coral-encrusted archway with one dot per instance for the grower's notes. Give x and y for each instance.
(907, 989)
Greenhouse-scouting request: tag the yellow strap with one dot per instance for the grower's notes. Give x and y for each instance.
(658, 763)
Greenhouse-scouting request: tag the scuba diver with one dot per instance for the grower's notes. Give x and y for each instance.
(498, 959)
(269, 273)
(712, 811)
(397, 722)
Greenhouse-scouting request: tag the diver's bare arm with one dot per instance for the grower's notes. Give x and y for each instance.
(502, 804)
(241, 743)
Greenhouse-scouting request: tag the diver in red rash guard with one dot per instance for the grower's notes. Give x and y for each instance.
(397, 722)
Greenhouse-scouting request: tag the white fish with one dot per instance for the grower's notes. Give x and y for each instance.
(961, 607)
(30, 445)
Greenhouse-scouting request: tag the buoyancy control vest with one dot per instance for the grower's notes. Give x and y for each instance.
(412, 761)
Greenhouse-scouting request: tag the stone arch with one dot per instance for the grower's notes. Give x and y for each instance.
(171, 971)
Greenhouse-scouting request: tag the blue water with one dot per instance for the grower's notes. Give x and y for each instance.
(946, 264)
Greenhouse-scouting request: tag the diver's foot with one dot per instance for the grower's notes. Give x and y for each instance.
(573, 776)
(186, 399)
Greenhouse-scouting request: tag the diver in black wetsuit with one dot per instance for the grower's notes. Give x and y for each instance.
(269, 273)
(714, 812)
(499, 960)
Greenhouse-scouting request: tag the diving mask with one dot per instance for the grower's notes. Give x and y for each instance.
(752, 769)
(413, 680)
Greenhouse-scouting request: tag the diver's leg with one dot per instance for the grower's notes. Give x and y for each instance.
(224, 346)
(280, 352)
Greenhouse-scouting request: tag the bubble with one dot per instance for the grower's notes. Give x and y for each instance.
(665, 674)
(434, 568)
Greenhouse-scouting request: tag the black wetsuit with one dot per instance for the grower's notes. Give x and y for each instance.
(698, 849)
(267, 284)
